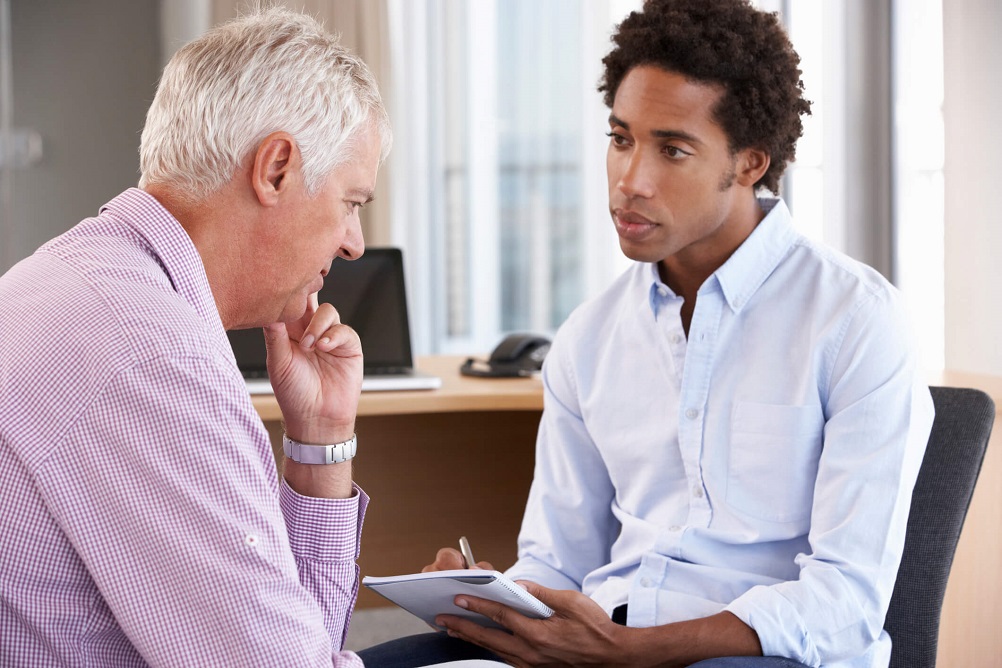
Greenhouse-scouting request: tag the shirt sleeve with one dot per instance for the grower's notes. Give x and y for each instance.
(171, 499)
(567, 530)
(325, 536)
(878, 417)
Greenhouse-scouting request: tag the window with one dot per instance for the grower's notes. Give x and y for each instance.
(918, 167)
(499, 129)
(811, 181)
(868, 179)
(509, 129)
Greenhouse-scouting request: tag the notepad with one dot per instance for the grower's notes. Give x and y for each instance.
(428, 595)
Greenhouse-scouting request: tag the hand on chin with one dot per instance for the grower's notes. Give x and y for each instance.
(316, 367)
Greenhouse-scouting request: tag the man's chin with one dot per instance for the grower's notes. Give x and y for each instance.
(293, 314)
(639, 253)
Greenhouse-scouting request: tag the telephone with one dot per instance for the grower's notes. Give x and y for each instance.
(516, 355)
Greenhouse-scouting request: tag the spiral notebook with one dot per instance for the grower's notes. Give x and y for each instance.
(369, 294)
(427, 595)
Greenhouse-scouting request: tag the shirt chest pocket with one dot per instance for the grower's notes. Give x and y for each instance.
(773, 460)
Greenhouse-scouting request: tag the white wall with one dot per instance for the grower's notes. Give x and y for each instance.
(84, 74)
(973, 173)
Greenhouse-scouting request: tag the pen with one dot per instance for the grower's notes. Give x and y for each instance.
(464, 547)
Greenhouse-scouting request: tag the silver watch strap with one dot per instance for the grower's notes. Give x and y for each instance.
(319, 454)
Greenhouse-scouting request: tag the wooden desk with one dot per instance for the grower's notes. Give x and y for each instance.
(439, 464)
(458, 394)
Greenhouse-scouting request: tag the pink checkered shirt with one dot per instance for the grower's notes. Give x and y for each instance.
(143, 522)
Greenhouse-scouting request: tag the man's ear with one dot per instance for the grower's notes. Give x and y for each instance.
(275, 161)
(752, 164)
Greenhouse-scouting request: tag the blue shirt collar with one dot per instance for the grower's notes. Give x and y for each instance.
(745, 271)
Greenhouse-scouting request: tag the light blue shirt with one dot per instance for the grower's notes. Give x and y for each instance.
(763, 466)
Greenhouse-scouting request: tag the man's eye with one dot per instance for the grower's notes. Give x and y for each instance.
(675, 152)
(617, 139)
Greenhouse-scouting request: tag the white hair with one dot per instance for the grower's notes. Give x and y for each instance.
(223, 93)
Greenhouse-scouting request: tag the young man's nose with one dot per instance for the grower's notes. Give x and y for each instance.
(634, 179)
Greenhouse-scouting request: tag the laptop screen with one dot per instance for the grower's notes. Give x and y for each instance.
(370, 296)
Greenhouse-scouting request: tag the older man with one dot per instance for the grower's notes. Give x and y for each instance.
(144, 519)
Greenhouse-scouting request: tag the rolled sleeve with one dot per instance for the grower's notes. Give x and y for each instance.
(778, 623)
(324, 529)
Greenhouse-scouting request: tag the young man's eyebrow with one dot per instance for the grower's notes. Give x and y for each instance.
(661, 134)
(615, 121)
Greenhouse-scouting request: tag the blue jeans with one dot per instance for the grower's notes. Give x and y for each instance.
(428, 648)
(749, 662)
(422, 650)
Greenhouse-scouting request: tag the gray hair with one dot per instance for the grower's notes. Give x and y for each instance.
(273, 70)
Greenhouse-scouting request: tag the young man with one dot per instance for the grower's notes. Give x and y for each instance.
(732, 430)
(144, 522)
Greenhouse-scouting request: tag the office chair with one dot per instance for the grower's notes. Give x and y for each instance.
(939, 505)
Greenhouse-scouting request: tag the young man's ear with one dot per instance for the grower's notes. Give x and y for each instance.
(752, 164)
(275, 160)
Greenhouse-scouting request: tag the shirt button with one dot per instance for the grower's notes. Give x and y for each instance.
(674, 527)
(646, 583)
(697, 492)
(691, 413)
(675, 338)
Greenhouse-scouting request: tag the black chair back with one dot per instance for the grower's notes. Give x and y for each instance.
(942, 494)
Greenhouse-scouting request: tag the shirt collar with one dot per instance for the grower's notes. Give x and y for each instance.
(169, 244)
(659, 290)
(748, 267)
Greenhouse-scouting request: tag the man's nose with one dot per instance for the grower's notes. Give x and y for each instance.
(353, 244)
(635, 179)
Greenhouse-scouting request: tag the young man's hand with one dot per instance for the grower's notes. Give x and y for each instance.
(450, 559)
(579, 633)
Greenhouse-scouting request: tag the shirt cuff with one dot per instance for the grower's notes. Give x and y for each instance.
(534, 571)
(323, 529)
(777, 622)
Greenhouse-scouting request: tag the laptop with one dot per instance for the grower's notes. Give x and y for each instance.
(370, 296)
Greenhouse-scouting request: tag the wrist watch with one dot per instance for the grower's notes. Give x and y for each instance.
(334, 453)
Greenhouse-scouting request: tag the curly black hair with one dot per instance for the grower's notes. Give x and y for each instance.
(729, 43)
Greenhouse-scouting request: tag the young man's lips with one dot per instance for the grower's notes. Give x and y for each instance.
(632, 218)
(632, 225)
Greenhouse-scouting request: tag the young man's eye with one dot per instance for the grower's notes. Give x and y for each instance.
(675, 152)
(617, 139)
